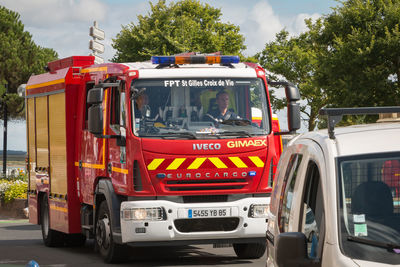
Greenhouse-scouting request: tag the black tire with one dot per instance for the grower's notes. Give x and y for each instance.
(51, 238)
(75, 240)
(109, 250)
(250, 250)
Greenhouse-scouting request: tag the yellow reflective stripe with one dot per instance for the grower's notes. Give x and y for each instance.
(90, 166)
(54, 207)
(218, 163)
(94, 69)
(115, 169)
(33, 86)
(154, 164)
(196, 163)
(238, 162)
(176, 163)
(257, 161)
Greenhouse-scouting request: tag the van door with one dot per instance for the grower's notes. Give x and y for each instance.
(301, 207)
(311, 219)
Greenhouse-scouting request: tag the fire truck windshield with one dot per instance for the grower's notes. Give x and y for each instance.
(199, 108)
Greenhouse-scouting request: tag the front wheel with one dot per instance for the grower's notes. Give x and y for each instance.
(250, 250)
(109, 250)
(51, 238)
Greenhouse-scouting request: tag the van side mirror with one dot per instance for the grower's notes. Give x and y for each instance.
(291, 251)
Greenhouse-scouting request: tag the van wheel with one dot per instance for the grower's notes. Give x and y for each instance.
(109, 251)
(250, 250)
(51, 238)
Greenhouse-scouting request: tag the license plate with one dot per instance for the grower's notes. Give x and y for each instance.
(209, 212)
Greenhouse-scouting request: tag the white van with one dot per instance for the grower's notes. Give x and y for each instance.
(336, 200)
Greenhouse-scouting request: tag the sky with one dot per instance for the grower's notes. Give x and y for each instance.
(64, 26)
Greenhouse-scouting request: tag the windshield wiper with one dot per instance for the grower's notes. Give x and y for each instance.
(188, 135)
(389, 246)
(235, 133)
(237, 122)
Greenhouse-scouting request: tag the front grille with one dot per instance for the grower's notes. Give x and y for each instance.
(205, 184)
(205, 199)
(205, 225)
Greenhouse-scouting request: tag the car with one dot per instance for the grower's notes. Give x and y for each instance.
(335, 200)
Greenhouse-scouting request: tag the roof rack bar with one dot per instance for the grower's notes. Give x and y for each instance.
(335, 114)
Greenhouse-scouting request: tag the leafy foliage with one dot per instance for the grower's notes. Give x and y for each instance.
(12, 189)
(183, 26)
(348, 58)
(360, 65)
(19, 58)
(295, 59)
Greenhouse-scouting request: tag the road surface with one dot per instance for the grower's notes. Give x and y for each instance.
(21, 242)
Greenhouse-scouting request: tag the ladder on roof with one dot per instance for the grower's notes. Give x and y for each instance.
(336, 114)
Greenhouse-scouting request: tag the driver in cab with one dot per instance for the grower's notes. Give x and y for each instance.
(222, 113)
(141, 106)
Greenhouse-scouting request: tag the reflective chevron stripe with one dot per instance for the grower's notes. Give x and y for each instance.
(196, 163)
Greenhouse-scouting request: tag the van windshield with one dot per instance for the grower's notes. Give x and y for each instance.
(369, 207)
(199, 108)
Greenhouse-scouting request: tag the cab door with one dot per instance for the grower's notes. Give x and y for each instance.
(117, 164)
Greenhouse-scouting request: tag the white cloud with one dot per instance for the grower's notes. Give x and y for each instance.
(64, 24)
(49, 13)
(298, 25)
(259, 23)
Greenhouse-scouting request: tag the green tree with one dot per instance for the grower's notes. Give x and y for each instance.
(296, 60)
(19, 58)
(360, 65)
(182, 26)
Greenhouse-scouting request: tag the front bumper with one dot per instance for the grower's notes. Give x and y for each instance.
(167, 229)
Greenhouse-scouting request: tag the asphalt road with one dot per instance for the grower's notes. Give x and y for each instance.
(21, 242)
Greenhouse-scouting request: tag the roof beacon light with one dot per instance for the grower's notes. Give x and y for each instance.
(196, 59)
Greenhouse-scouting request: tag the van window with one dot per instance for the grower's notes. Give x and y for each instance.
(287, 192)
(369, 206)
(313, 211)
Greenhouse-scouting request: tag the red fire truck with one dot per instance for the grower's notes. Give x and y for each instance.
(180, 150)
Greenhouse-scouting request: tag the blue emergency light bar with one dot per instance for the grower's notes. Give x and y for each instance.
(194, 59)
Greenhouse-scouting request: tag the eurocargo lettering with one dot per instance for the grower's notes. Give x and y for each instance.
(179, 150)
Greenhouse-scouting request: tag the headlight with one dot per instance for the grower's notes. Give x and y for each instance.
(259, 210)
(143, 214)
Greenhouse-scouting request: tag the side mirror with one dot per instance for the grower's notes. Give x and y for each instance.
(95, 119)
(291, 251)
(95, 96)
(293, 108)
(292, 92)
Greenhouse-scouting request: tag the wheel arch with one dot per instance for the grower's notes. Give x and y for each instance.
(105, 192)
